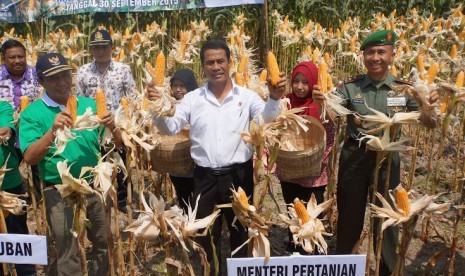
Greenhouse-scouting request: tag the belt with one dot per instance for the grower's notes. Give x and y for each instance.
(222, 170)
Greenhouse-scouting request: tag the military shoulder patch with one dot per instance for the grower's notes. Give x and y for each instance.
(354, 79)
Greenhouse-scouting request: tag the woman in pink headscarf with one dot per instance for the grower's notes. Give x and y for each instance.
(304, 77)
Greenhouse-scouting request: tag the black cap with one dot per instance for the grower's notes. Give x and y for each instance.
(100, 37)
(51, 64)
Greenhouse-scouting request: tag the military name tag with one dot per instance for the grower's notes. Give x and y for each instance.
(396, 101)
(358, 101)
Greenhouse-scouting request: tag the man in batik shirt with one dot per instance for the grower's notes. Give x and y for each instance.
(16, 77)
(114, 78)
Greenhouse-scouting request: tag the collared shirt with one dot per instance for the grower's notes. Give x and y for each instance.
(51, 103)
(215, 128)
(116, 81)
(362, 92)
(11, 90)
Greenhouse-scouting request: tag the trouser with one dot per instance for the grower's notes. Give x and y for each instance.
(292, 191)
(356, 171)
(216, 189)
(184, 187)
(18, 225)
(60, 218)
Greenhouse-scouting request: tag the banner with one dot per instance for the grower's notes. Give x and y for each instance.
(29, 10)
(327, 265)
(23, 249)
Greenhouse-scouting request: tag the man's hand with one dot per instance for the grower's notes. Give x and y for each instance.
(433, 97)
(277, 91)
(152, 93)
(63, 119)
(108, 120)
(318, 96)
(5, 134)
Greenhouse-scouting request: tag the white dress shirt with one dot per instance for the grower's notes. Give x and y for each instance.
(215, 128)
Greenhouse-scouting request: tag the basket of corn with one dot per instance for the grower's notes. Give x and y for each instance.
(300, 155)
(172, 154)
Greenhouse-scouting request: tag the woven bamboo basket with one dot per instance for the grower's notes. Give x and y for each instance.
(172, 154)
(306, 160)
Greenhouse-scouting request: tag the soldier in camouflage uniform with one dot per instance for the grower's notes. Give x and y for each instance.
(356, 164)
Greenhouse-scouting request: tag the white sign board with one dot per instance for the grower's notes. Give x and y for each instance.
(323, 265)
(23, 249)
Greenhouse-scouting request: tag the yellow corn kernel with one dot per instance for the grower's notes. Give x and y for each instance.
(273, 69)
(243, 198)
(352, 44)
(429, 43)
(327, 58)
(432, 72)
(121, 56)
(330, 82)
(420, 63)
(263, 75)
(402, 200)
(453, 51)
(460, 79)
(315, 55)
(242, 64)
(443, 105)
(24, 102)
(322, 76)
(101, 101)
(301, 211)
(160, 69)
(71, 107)
(239, 79)
(124, 104)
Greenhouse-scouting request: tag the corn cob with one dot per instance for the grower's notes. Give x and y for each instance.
(394, 71)
(443, 105)
(315, 54)
(121, 56)
(402, 200)
(429, 43)
(273, 69)
(327, 58)
(12, 31)
(322, 76)
(460, 79)
(352, 44)
(448, 24)
(242, 64)
(24, 102)
(160, 69)
(453, 51)
(111, 31)
(71, 106)
(330, 82)
(150, 68)
(301, 211)
(243, 198)
(124, 104)
(101, 103)
(239, 79)
(432, 72)
(263, 75)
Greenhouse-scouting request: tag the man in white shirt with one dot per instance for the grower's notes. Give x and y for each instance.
(217, 112)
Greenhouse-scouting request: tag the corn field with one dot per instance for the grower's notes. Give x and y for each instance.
(429, 54)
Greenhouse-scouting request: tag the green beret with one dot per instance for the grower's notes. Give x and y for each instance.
(384, 37)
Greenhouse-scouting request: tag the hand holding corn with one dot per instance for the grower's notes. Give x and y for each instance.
(108, 120)
(277, 91)
(62, 120)
(5, 134)
(318, 96)
(152, 92)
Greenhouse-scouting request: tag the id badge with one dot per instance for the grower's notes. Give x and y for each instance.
(396, 101)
